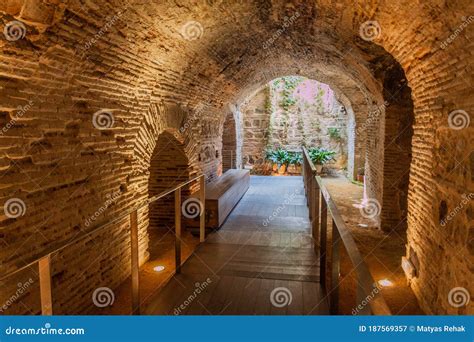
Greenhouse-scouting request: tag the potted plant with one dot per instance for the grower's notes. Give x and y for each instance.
(270, 156)
(282, 159)
(320, 156)
(295, 160)
(279, 158)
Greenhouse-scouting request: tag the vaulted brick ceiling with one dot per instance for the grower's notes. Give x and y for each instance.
(139, 59)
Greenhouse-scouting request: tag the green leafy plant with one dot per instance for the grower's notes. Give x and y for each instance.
(280, 156)
(334, 133)
(295, 158)
(320, 156)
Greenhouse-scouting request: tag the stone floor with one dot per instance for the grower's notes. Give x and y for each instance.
(382, 252)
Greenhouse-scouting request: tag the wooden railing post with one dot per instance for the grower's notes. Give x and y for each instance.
(202, 218)
(335, 270)
(177, 219)
(323, 214)
(361, 296)
(315, 210)
(44, 268)
(135, 266)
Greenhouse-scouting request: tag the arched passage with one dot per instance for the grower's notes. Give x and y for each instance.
(169, 166)
(229, 143)
(65, 74)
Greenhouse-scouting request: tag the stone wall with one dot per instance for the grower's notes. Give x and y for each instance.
(268, 124)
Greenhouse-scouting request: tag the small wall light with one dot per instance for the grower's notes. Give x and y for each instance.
(158, 268)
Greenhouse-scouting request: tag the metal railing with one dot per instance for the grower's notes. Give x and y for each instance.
(320, 204)
(44, 261)
(228, 161)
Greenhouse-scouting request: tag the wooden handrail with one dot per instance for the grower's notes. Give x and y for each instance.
(117, 219)
(44, 260)
(367, 290)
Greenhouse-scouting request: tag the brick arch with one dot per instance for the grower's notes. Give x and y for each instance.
(169, 166)
(229, 143)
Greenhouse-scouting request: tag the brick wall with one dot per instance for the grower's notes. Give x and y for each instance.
(146, 66)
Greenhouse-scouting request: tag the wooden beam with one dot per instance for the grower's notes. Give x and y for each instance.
(135, 266)
(323, 214)
(202, 218)
(44, 267)
(177, 222)
(335, 270)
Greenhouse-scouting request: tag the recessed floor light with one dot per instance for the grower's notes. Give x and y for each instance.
(158, 268)
(385, 282)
